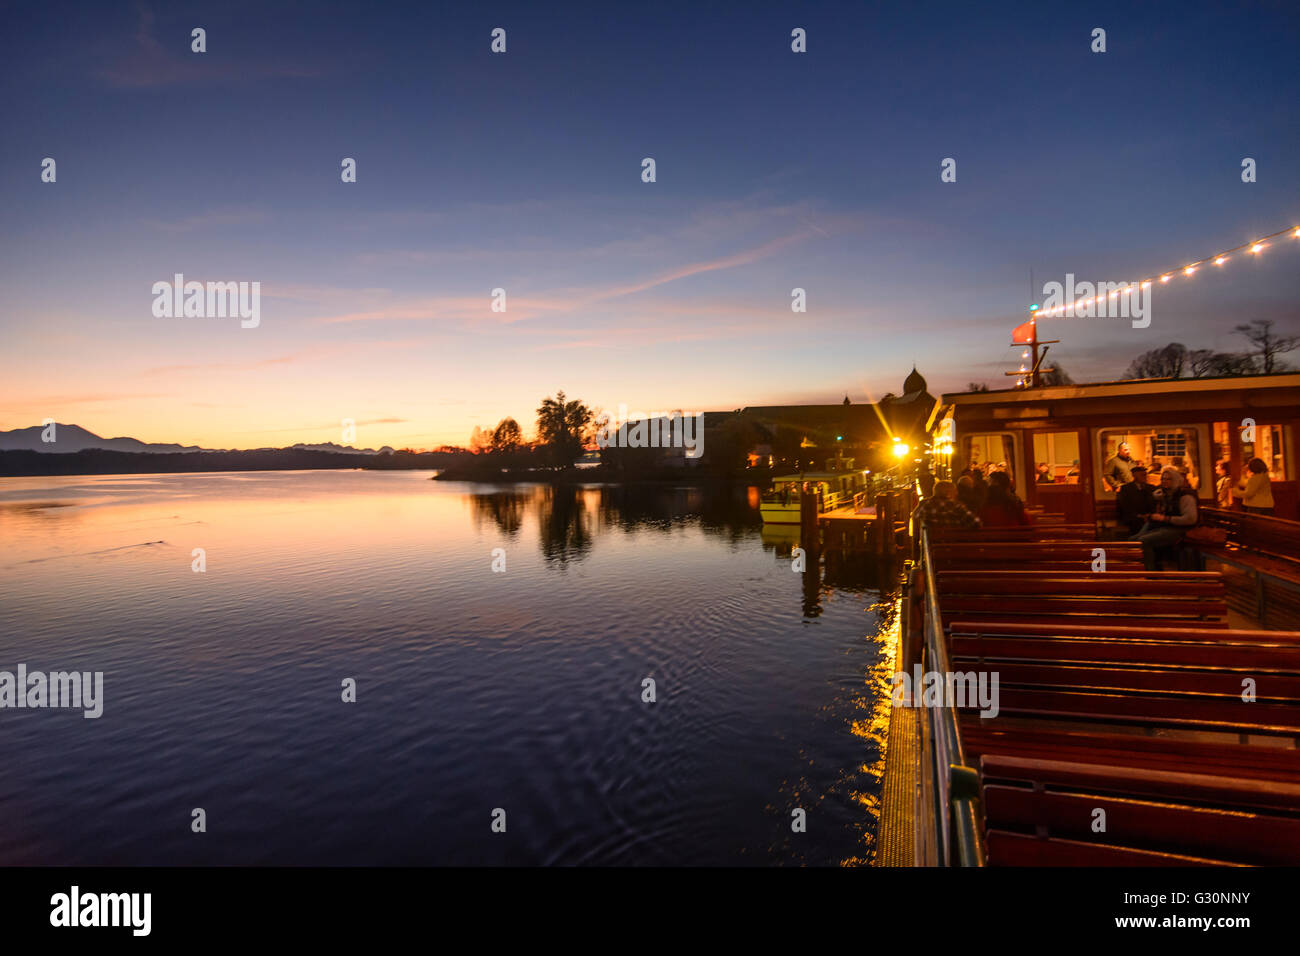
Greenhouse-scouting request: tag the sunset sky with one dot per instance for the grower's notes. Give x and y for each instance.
(523, 171)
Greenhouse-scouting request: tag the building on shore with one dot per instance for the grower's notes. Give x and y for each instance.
(787, 437)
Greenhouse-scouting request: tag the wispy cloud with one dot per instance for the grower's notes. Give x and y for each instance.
(210, 220)
(147, 63)
(520, 309)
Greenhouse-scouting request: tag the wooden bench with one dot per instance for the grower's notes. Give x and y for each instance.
(975, 596)
(1261, 563)
(1149, 675)
(1112, 747)
(1089, 667)
(1168, 813)
(1037, 555)
(1019, 849)
(1264, 534)
(1039, 532)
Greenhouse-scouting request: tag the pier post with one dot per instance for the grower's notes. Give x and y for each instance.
(884, 522)
(809, 533)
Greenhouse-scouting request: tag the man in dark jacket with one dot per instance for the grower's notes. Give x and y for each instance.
(1135, 501)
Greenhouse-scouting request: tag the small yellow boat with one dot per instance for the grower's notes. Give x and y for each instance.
(835, 487)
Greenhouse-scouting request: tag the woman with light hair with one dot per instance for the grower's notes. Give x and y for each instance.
(1256, 489)
(1175, 512)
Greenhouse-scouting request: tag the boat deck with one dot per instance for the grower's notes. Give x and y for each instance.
(1120, 694)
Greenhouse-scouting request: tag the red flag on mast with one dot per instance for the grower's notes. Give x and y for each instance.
(1023, 334)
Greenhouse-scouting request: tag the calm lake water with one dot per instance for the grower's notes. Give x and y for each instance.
(476, 690)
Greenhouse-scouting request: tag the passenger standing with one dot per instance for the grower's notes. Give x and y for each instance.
(1118, 471)
(1256, 490)
(1223, 488)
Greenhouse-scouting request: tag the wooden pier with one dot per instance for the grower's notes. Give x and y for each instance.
(856, 529)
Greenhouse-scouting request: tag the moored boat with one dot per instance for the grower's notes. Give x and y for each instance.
(833, 488)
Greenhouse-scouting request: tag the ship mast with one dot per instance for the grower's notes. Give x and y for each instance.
(1027, 335)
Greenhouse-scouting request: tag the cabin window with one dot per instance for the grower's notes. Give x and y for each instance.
(991, 453)
(1059, 451)
(1221, 450)
(1155, 448)
(1269, 447)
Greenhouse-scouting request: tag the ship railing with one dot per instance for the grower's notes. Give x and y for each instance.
(950, 785)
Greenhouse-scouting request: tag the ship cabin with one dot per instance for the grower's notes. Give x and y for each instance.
(1057, 441)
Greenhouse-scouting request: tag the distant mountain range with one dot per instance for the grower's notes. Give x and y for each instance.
(70, 439)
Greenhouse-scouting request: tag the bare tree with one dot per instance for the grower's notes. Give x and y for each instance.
(1207, 363)
(1167, 362)
(1268, 344)
(976, 387)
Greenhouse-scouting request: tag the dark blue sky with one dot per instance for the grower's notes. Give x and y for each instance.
(522, 171)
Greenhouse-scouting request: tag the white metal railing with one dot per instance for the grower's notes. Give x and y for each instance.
(954, 785)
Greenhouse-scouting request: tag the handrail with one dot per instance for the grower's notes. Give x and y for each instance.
(957, 785)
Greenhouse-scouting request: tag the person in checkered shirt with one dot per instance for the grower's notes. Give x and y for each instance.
(943, 510)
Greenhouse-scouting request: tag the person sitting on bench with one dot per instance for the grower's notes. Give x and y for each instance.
(1134, 501)
(942, 509)
(1174, 514)
(1002, 508)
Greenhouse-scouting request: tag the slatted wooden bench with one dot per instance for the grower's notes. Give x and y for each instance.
(1085, 597)
(1169, 679)
(1019, 849)
(1090, 665)
(1185, 815)
(1037, 555)
(1111, 747)
(1261, 562)
(1050, 531)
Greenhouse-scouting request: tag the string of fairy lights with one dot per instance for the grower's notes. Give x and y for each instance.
(1254, 247)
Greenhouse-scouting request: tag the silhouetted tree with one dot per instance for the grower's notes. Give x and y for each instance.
(1207, 363)
(507, 436)
(976, 387)
(480, 440)
(563, 426)
(1268, 345)
(1167, 362)
(1053, 375)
